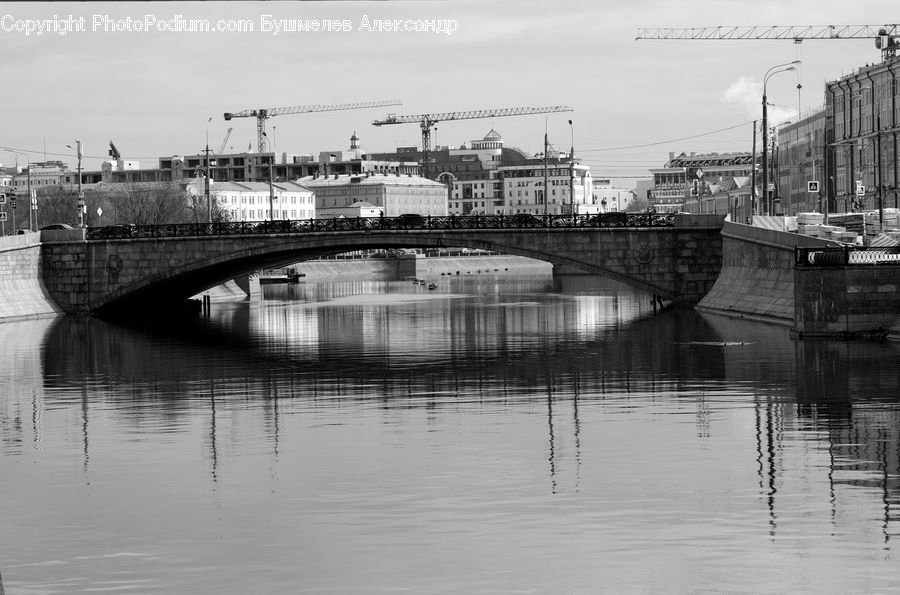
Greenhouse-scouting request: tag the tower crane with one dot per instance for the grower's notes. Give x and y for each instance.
(427, 122)
(263, 114)
(225, 140)
(887, 37)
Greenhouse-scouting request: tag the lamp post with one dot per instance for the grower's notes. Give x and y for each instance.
(208, 183)
(28, 162)
(271, 188)
(77, 148)
(572, 171)
(765, 128)
(546, 144)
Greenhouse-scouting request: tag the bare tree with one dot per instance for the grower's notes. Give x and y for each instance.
(140, 203)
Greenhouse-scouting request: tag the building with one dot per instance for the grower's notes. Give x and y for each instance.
(609, 198)
(687, 180)
(394, 195)
(470, 172)
(862, 121)
(258, 167)
(569, 188)
(41, 175)
(256, 201)
(800, 159)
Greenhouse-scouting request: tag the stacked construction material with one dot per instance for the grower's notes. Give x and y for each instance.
(855, 222)
(886, 220)
(810, 224)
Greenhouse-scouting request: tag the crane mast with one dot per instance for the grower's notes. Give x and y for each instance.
(427, 121)
(887, 37)
(264, 114)
(225, 140)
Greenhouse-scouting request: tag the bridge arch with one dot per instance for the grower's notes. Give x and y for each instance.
(677, 263)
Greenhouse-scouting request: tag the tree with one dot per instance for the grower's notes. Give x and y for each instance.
(638, 204)
(140, 203)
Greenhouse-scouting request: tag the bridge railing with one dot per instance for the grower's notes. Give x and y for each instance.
(846, 256)
(403, 222)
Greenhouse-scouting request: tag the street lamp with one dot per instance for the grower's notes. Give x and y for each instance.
(208, 183)
(28, 161)
(77, 147)
(765, 126)
(271, 187)
(572, 171)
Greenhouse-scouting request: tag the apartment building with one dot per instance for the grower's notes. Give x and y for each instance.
(257, 201)
(394, 195)
(862, 122)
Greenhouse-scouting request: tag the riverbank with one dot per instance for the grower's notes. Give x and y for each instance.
(396, 268)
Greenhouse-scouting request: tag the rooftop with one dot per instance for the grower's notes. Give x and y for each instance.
(366, 180)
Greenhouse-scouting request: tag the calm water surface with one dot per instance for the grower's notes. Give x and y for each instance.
(495, 435)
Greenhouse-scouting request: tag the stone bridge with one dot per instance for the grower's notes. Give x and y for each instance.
(147, 269)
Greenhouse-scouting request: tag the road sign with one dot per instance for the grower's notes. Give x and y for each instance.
(812, 186)
(699, 173)
(99, 212)
(12, 202)
(2, 199)
(860, 190)
(2, 216)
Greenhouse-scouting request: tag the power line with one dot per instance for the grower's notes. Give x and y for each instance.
(674, 140)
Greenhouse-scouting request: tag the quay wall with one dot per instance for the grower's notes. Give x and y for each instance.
(848, 302)
(757, 277)
(759, 281)
(22, 291)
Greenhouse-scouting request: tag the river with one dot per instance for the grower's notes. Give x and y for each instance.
(498, 434)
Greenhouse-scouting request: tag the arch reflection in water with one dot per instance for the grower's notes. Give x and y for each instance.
(373, 427)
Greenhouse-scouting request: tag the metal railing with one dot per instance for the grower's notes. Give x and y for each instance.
(403, 222)
(846, 256)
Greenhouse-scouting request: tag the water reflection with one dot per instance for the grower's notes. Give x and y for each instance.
(600, 385)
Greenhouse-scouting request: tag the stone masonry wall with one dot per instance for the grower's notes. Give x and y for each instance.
(847, 301)
(22, 292)
(757, 277)
(678, 263)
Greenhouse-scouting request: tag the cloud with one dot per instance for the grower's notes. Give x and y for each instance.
(747, 91)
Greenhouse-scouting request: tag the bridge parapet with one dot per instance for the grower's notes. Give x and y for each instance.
(148, 267)
(403, 222)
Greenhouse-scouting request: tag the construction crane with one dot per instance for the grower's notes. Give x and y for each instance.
(427, 122)
(225, 140)
(263, 114)
(887, 37)
(114, 152)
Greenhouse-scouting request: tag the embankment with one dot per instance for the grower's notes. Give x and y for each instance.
(759, 281)
(424, 267)
(22, 292)
(757, 277)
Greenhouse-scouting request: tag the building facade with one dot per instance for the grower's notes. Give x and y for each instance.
(394, 195)
(800, 159)
(257, 201)
(862, 122)
(710, 182)
(569, 188)
(610, 198)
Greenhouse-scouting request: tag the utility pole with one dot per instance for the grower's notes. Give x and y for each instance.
(271, 193)
(80, 193)
(546, 190)
(29, 199)
(572, 172)
(753, 177)
(208, 184)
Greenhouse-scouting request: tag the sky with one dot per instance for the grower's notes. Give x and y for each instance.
(161, 93)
